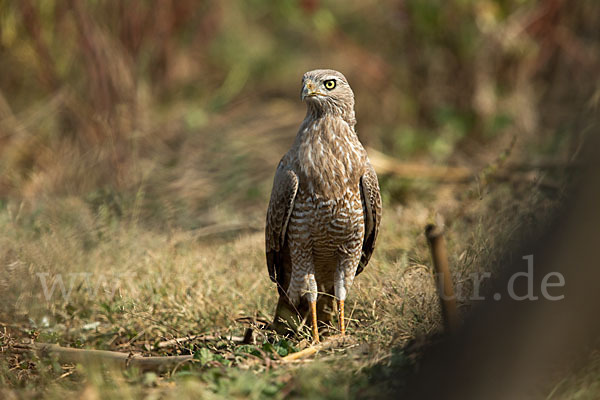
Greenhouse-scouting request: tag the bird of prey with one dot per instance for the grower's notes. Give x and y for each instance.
(325, 207)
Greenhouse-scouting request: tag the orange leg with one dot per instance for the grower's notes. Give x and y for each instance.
(313, 313)
(342, 322)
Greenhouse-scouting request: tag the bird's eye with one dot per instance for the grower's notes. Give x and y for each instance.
(329, 84)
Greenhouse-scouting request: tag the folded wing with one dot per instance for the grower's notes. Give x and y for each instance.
(285, 187)
(371, 201)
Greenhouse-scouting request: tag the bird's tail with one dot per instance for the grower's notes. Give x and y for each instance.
(288, 318)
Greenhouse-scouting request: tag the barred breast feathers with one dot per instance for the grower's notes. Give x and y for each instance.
(329, 157)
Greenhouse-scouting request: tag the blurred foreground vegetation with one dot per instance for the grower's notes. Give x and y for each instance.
(138, 141)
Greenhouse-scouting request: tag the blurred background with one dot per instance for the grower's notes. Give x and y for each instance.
(173, 108)
(138, 142)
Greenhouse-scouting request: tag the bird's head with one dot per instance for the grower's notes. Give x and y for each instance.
(327, 91)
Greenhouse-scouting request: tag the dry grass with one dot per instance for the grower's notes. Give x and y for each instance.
(179, 251)
(131, 285)
(141, 178)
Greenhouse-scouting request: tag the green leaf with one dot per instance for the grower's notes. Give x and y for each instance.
(204, 355)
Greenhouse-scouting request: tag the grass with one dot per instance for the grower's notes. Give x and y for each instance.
(174, 247)
(140, 180)
(581, 382)
(127, 285)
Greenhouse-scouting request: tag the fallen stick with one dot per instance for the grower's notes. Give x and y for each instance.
(437, 245)
(309, 351)
(330, 343)
(207, 338)
(67, 355)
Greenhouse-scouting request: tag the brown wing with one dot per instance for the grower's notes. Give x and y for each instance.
(285, 187)
(371, 200)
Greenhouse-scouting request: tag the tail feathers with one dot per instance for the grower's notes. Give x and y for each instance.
(287, 318)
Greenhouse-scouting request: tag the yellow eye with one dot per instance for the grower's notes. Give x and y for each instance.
(329, 84)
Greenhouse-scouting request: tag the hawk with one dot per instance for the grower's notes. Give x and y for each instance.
(325, 207)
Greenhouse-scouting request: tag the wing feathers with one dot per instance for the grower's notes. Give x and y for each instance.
(285, 187)
(371, 199)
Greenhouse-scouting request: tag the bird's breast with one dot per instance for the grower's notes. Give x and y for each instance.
(327, 215)
(327, 224)
(329, 162)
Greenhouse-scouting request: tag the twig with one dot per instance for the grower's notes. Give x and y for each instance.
(254, 322)
(330, 343)
(70, 372)
(67, 355)
(225, 229)
(437, 245)
(309, 351)
(206, 338)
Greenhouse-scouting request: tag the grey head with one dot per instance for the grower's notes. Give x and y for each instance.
(327, 92)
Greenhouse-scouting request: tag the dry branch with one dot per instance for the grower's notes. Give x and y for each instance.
(437, 245)
(387, 165)
(226, 229)
(330, 343)
(67, 355)
(114, 359)
(205, 338)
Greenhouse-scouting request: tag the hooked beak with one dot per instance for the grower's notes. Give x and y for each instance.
(309, 90)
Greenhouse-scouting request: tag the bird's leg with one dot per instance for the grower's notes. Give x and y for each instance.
(313, 313)
(340, 294)
(312, 299)
(342, 282)
(341, 310)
